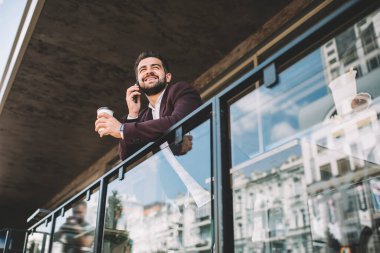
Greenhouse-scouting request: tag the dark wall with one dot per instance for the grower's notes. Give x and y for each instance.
(14, 217)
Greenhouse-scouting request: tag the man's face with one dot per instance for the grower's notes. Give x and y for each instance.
(79, 212)
(151, 75)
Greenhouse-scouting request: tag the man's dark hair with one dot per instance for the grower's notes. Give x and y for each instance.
(148, 54)
(79, 203)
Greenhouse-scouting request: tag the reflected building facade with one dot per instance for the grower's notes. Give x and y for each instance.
(324, 200)
(341, 167)
(271, 211)
(357, 47)
(173, 226)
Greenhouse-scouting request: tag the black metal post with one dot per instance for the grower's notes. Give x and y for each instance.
(98, 243)
(43, 244)
(25, 242)
(222, 194)
(8, 239)
(51, 239)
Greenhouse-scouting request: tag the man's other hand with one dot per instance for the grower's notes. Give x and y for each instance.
(107, 125)
(186, 145)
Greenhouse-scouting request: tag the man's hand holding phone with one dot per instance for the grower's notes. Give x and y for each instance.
(133, 100)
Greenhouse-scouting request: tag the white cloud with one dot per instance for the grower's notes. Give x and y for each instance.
(249, 122)
(1, 2)
(282, 130)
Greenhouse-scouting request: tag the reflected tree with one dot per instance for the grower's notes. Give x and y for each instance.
(114, 210)
(115, 240)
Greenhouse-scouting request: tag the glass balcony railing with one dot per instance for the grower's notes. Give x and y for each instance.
(74, 229)
(39, 238)
(287, 166)
(159, 202)
(306, 173)
(166, 206)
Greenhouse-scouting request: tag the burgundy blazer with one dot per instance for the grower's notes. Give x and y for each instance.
(179, 100)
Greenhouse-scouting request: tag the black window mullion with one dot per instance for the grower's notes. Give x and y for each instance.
(50, 245)
(26, 241)
(222, 193)
(8, 238)
(98, 242)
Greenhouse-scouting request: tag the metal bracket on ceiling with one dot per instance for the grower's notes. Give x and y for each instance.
(88, 195)
(270, 75)
(121, 173)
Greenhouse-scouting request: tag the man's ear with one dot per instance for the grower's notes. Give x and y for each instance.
(168, 77)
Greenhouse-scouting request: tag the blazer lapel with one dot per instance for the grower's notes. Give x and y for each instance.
(147, 115)
(164, 101)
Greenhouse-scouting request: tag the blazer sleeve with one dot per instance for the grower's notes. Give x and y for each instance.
(182, 98)
(126, 150)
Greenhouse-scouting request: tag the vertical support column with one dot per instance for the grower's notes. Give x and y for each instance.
(222, 193)
(43, 244)
(98, 243)
(51, 240)
(26, 242)
(8, 239)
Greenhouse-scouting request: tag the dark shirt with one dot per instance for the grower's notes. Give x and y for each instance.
(179, 100)
(71, 235)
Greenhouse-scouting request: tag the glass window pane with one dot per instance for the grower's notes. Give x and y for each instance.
(3, 235)
(163, 204)
(368, 39)
(306, 157)
(345, 44)
(38, 241)
(74, 232)
(16, 241)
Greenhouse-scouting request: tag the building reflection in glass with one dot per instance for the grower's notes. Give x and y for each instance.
(305, 180)
(163, 204)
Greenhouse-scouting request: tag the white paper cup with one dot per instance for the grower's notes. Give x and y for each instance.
(343, 90)
(104, 110)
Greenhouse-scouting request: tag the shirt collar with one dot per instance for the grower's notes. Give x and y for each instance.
(158, 103)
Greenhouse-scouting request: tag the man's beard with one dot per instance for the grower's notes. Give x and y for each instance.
(157, 88)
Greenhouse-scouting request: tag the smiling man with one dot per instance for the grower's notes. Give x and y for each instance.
(168, 103)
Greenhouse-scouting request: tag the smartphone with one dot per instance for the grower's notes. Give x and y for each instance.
(135, 97)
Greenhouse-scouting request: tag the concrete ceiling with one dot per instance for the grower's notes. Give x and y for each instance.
(80, 57)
